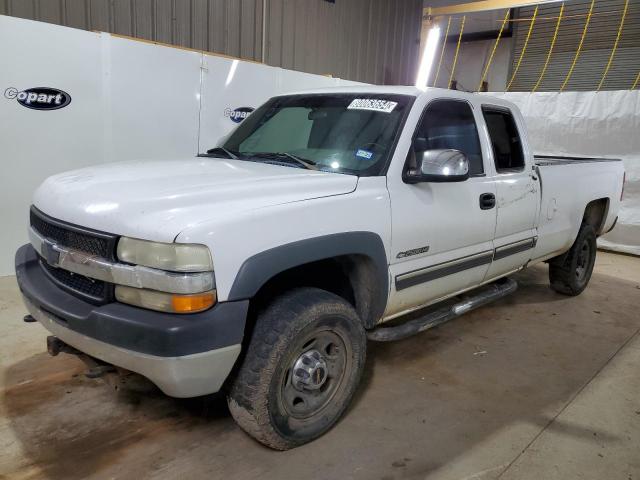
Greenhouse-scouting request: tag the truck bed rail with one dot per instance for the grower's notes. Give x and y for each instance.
(550, 160)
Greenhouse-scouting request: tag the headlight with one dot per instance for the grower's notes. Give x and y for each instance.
(175, 257)
(165, 302)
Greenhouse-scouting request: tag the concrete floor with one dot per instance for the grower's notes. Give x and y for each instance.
(537, 386)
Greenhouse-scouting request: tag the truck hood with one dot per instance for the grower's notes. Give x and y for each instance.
(157, 200)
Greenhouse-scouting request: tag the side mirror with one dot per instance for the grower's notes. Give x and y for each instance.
(439, 166)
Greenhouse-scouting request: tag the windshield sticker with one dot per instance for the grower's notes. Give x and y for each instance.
(374, 104)
(364, 154)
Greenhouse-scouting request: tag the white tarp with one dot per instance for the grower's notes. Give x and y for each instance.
(599, 124)
(129, 100)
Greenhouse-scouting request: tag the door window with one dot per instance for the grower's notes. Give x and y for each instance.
(450, 124)
(505, 140)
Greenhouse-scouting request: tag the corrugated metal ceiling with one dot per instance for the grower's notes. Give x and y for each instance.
(598, 43)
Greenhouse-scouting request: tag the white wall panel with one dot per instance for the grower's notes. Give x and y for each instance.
(152, 94)
(229, 84)
(35, 144)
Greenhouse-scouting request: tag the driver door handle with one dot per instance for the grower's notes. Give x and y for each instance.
(487, 201)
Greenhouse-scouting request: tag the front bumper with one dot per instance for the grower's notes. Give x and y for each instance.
(184, 355)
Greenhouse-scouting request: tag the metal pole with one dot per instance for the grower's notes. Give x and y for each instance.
(444, 45)
(493, 52)
(455, 57)
(264, 31)
(553, 43)
(524, 48)
(615, 45)
(482, 6)
(575, 59)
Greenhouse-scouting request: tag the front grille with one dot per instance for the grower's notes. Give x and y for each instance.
(75, 238)
(95, 290)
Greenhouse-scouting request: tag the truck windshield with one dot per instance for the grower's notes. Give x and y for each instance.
(344, 133)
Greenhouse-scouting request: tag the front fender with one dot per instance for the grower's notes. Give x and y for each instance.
(260, 268)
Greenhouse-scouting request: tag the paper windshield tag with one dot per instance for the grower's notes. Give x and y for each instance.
(366, 154)
(373, 104)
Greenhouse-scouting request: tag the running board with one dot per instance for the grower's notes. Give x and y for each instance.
(470, 301)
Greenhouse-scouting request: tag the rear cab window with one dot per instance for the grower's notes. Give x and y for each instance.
(506, 143)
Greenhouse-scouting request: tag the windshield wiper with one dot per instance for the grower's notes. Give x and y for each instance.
(215, 150)
(308, 164)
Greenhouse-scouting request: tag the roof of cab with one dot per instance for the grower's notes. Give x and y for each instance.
(406, 90)
(384, 89)
(388, 89)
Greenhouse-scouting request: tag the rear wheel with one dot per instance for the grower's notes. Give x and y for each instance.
(301, 369)
(570, 273)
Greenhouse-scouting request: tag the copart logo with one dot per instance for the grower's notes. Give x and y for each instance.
(39, 98)
(238, 114)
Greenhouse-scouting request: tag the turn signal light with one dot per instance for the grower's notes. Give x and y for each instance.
(193, 303)
(166, 302)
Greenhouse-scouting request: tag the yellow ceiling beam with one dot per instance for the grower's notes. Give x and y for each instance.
(481, 6)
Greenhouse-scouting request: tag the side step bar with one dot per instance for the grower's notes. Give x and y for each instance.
(470, 301)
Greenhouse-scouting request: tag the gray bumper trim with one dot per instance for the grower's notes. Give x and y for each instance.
(186, 376)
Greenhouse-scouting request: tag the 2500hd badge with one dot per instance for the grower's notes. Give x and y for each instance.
(39, 98)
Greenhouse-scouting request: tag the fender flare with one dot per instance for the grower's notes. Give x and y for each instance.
(261, 267)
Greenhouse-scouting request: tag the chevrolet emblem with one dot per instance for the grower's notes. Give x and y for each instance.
(49, 252)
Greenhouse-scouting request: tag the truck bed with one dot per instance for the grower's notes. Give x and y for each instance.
(565, 192)
(549, 160)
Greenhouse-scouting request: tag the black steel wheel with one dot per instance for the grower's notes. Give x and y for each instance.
(570, 273)
(301, 368)
(583, 262)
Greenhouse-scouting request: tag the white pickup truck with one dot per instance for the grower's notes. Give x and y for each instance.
(261, 267)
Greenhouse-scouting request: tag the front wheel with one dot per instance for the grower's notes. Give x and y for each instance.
(570, 273)
(302, 367)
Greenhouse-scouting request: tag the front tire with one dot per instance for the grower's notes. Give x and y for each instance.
(302, 366)
(570, 273)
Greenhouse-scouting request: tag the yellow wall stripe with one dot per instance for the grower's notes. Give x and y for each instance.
(495, 46)
(635, 84)
(524, 48)
(444, 45)
(615, 45)
(553, 43)
(455, 57)
(575, 59)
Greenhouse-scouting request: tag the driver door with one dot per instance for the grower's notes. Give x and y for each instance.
(442, 232)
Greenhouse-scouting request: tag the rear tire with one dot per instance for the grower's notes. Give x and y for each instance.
(570, 273)
(302, 366)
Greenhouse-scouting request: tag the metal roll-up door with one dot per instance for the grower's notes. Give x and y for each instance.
(596, 50)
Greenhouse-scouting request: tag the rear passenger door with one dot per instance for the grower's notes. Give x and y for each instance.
(517, 196)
